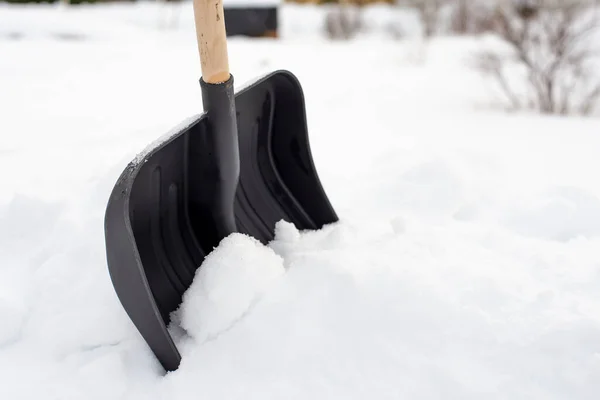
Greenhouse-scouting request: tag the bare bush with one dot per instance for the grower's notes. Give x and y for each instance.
(430, 13)
(471, 17)
(342, 22)
(460, 17)
(547, 62)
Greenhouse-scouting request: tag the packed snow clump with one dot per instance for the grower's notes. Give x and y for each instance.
(226, 286)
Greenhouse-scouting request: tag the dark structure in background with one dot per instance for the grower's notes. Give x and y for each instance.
(253, 21)
(253, 18)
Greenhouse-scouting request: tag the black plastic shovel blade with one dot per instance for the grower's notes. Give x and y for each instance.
(160, 221)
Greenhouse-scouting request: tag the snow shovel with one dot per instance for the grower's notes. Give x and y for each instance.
(240, 166)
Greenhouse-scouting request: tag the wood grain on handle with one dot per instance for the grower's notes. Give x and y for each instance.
(212, 40)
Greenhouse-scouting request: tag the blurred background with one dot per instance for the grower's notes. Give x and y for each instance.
(96, 81)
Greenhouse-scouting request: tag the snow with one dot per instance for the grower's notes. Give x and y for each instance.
(233, 278)
(465, 264)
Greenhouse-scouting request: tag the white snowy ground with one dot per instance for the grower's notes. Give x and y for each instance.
(466, 264)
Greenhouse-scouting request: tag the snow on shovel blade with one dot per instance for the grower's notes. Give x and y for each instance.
(171, 206)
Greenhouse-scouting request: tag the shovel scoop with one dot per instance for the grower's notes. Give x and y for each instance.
(242, 165)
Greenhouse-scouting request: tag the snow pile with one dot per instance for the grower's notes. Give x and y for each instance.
(231, 280)
(369, 311)
(465, 264)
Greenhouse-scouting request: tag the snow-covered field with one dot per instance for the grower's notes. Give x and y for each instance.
(466, 264)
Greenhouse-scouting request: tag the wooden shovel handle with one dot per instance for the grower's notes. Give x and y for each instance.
(212, 40)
